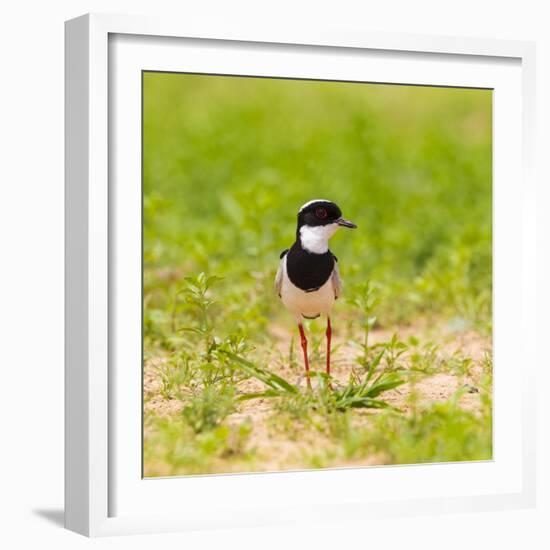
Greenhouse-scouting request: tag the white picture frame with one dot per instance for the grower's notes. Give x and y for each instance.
(104, 493)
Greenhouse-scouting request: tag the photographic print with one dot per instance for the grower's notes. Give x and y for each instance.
(317, 274)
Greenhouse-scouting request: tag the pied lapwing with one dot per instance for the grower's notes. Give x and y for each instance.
(307, 280)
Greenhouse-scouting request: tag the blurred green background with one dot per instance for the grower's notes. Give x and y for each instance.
(228, 161)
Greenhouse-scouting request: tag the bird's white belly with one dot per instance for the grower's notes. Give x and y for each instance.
(307, 304)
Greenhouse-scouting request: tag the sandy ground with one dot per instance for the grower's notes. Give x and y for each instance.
(280, 448)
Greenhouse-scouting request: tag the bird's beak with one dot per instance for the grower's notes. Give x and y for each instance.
(346, 223)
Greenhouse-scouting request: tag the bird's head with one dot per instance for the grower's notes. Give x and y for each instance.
(318, 220)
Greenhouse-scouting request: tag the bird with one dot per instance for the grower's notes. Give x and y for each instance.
(307, 280)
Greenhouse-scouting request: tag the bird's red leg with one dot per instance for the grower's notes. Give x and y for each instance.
(303, 340)
(329, 338)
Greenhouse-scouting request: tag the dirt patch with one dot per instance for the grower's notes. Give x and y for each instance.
(457, 362)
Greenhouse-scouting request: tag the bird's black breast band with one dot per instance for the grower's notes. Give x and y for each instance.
(306, 270)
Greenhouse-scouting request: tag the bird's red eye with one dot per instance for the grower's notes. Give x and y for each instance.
(321, 213)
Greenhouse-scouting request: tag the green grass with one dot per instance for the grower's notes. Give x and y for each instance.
(227, 163)
(361, 392)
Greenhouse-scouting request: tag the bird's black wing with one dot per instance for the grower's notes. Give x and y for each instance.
(284, 253)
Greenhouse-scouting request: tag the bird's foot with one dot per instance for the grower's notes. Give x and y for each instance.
(315, 383)
(304, 382)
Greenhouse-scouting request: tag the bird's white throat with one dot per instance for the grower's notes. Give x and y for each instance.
(315, 238)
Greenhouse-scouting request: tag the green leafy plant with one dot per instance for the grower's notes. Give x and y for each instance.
(365, 302)
(364, 394)
(357, 394)
(207, 409)
(196, 296)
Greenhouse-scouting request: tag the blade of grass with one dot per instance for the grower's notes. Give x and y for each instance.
(269, 378)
